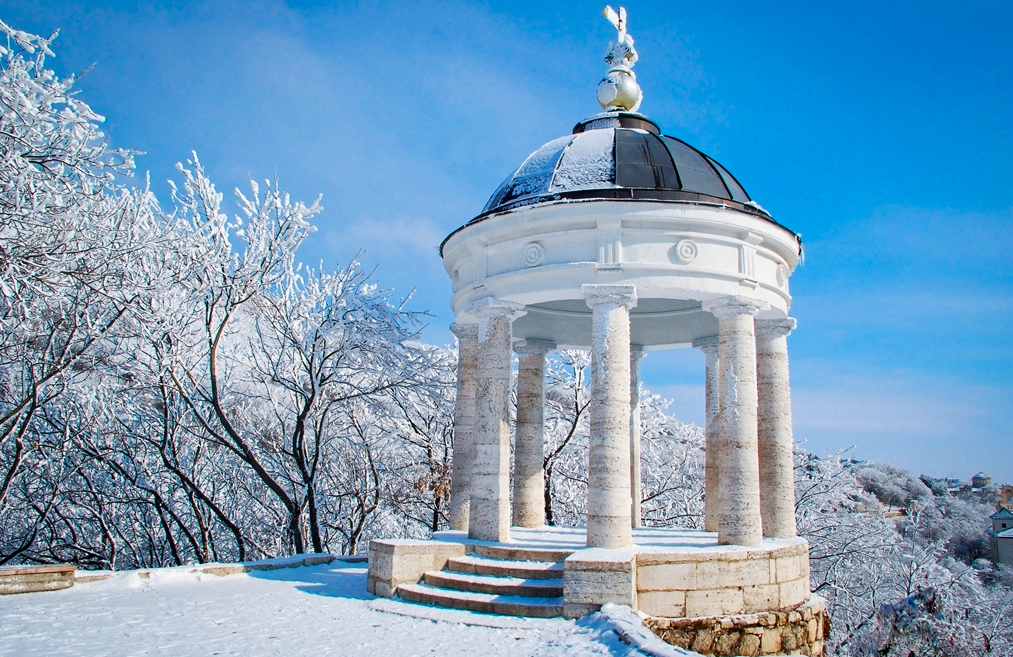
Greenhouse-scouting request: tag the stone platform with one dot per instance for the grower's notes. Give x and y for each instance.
(668, 573)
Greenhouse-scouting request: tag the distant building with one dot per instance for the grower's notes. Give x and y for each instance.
(1006, 496)
(981, 480)
(1002, 537)
(1001, 520)
(980, 485)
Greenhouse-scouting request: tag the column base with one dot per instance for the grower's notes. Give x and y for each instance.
(609, 532)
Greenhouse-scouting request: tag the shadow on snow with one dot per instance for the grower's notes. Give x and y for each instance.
(334, 580)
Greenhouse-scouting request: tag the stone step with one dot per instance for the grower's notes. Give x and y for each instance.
(513, 586)
(522, 553)
(477, 565)
(506, 605)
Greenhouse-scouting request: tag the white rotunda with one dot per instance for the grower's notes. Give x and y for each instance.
(622, 240)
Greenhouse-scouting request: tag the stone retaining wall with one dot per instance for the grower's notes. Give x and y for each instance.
(800, 631)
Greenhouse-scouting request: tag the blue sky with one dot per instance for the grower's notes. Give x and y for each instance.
(880, 131)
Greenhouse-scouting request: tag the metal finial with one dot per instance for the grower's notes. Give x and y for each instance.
(618, 91)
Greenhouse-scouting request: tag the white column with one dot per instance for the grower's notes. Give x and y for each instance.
(739, 520)
(712, 449)
(464, 424)
(777, 465)
(609, 502)
(529, 445)
(489, 516)
(636, 353)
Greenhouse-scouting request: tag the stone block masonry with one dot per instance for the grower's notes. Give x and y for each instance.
(702, 583)
(400, 561)
(799, 631)
(489, 484)
(529, 477)
(595, 576)
(464, 424)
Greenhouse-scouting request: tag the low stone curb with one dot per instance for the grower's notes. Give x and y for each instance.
(631, 630)
(33, 579)
(225, 569)
(89, 576)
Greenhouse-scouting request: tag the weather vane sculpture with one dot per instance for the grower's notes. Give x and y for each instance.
(618, 91)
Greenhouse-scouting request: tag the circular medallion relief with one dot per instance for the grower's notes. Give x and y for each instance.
(782, 275)
(686, 251)
(534, 253)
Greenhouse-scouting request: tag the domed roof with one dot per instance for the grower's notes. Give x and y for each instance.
(620, 156)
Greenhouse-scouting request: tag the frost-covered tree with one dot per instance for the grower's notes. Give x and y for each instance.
(174, 386)
(891, 485)
(671, 466)
(69, 239)
(671, 451)
(567, 397)
(895, 586)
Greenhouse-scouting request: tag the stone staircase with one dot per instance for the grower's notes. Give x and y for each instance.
(496, 579)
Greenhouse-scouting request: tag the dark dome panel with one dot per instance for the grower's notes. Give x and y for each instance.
(738, 194)
(642, 161)
(695, 172)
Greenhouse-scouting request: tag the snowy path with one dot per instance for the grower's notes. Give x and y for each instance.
(316, 610)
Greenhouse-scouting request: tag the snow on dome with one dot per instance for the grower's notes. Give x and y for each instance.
(619, 156)
(587, 163)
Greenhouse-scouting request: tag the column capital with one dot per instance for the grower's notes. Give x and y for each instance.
(707, 345)
(623, 295)
(463, 331)
(488, 307)
(637, 352)
(534, 347)
(775, 328)
(733, 304)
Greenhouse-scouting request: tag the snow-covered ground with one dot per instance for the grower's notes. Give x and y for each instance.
(315, 610)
